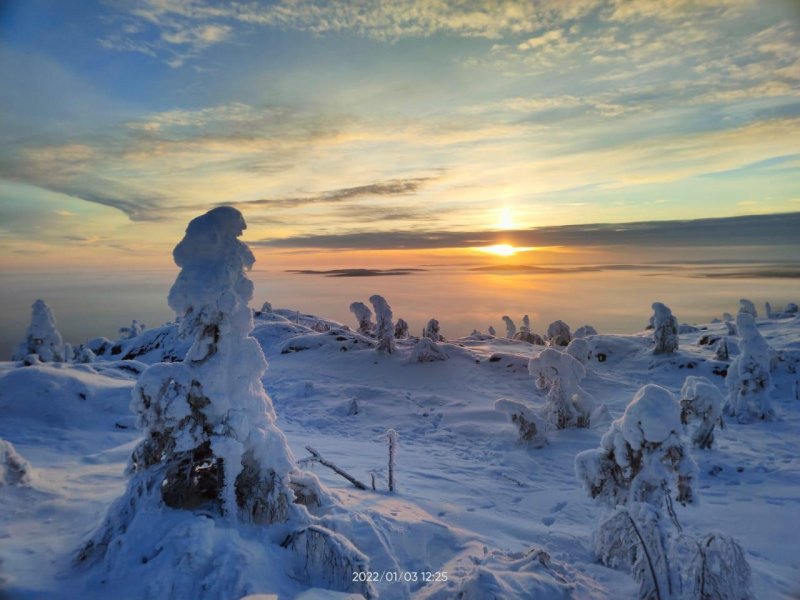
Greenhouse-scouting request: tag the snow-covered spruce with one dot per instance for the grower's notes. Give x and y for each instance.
(584, 331)
(558, 334)
(85, 356)
(531, 338)
(526, 324)
(530, 425)
(641, 457)
(665, 329)
(14, 470)
(567, 403)
(432, 331)
(212, 454)
(266, 308)
(134, 330)
(401, 329)
(701, 409)
(42, 339)
(747, 306)
(749, 380)
(426, 350)
(384, 329)
(492, 331)
(511, 329)
(363, 316)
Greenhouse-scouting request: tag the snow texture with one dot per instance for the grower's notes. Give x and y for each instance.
(42, 339)
(749, 380)
(665, 327)
(384, 330)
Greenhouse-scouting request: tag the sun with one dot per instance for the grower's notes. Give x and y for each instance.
(500, 249)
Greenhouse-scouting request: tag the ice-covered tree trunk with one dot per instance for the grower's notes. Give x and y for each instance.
(511, 329)
(392, 440)
(665, 327)
(567, 403)
(558, 334)
(211, 443)
(42, 337)
(363, 316)
(701, 404)
(384, 330)
(749, 380)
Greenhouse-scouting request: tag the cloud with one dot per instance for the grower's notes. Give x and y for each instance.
(760, 230)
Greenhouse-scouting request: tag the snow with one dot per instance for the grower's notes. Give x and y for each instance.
(501, 516)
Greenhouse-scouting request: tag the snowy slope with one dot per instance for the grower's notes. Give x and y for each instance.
(500, 518)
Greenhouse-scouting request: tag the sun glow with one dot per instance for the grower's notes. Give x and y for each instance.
(501, 250)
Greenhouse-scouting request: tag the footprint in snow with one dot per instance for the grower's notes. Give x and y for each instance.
(548, 521)
(558, 507)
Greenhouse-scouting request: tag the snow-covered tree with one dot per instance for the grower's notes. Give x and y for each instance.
(701, 406)
(567, 403)
(558, 334)
(432, 331)
(211, 443)
(580, 350)
(749, 380)
(384, 330)
(746, 306)
(135, 329)
(492, 331)
(364, 317)
(42, 338)
(726, 316)
(584, 331)
(426, 350)
(530, 425)
(721, 351)
(401, 329)
(714, 567)
(665, 327)
(768, 312)
(14, 470)
(531, 338)
(641, 457)
(511, 329)
(526, 324)
(266, 308)
(85, 355)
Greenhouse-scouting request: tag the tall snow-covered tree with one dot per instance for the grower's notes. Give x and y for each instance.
(526, 324)
(401, 329)
(384, 330)
(701, 409)
(511, 329)
(747, 306)
(665, 329)
(567, 403)
(363, 316)
(749, 381)
(211, 444)
(42, 337)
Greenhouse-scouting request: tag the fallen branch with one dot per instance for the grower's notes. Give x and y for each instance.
(317, 457)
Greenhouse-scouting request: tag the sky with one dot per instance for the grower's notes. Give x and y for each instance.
(350, 133)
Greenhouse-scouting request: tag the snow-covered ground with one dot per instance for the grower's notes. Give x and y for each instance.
(471, 501)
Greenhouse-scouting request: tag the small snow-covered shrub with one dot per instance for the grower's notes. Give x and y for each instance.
(558, 334)
(14, 470)
(511, 329)
(531, 338)
(86, 356)
(701, 403)
(641, 457)
(531, 427)
(432, 331)
(384, 330)
(401, 329)
(363, 316)
(713, 566)
(749, 380)
(42, 338)
(266, 308)
(746, 306)
(580, 350)
(584, 331)
(665, 327)
(567, 403)
(135, 329)
(426, 350)
(492, 331)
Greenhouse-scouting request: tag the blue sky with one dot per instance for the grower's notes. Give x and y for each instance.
(122, 120)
